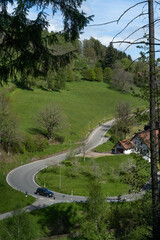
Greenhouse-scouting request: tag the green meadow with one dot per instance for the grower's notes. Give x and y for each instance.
(75, 176)
(84, 103)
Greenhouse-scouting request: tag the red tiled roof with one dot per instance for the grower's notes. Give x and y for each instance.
(127, 144)
(145, 136)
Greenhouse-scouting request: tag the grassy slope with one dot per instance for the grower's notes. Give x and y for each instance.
(84, 103)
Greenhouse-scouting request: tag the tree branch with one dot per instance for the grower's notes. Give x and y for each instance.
(144, 26)
(134, 43)
(129, 24)
(101, 24)
(129, 9)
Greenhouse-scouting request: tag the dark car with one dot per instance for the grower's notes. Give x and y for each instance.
(44, 192)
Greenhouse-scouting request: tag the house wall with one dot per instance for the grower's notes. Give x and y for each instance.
(128, 151)
(141, 148)
(117, 147)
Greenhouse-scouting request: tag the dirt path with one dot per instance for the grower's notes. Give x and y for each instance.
(92, 154)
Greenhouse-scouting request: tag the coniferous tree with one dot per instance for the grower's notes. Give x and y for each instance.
(108, 74)
(24, 47)
(111, 56)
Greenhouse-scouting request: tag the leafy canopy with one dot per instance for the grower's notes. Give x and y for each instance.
(24, 46)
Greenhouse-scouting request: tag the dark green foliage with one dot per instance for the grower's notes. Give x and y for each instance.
(50, 79)
(2, 179)
(18, 147)
(136, 174)
(33, 144)
(141, 115)
(80, 63)
(30, 144)
(99, 74)
(114, 139)
(9, 135)
(89, 74)
(69, 75)
(60, 80)
(108, 74)
(59, 218)
(126, 63)
(112, 55)
(56, 80)
(95, 222)
(60, 139)
(20, 226)
(132, 220)
(24, 48)
(26, 81)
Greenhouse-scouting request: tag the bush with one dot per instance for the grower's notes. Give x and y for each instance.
(141, 115)
(60, 139)
(114, 138)
(30, 144)
(41, 144)
(18, 147)
(67, 163)
(35, 144)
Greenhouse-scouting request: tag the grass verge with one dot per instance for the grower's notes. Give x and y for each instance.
(76, 174)
(105, 147)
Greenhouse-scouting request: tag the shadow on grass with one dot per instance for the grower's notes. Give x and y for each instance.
(43, 88)
(35, 131)
(59, 218)
(22, 86)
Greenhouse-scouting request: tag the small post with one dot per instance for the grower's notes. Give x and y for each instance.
(60, 177)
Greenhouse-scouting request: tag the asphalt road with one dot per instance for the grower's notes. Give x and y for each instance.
(23, 177)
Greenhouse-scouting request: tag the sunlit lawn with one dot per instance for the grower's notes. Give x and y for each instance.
(84, 103)
(75, 179)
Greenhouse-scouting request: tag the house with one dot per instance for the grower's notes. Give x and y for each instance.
(139, 143)
(125, 146)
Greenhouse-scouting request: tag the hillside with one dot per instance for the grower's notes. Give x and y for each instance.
(84, 103)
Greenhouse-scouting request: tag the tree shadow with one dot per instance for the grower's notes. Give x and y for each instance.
(22, 86)
(43, 88)
(35, 131)
(57, 218)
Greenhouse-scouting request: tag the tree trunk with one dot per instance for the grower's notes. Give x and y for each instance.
(155, 197)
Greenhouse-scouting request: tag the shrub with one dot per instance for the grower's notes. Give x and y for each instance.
(18, 147)
(41, 144)
(114, 138)
(30, 144)
(33, 144)
(60, 139)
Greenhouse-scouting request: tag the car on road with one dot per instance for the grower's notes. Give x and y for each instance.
(44, 192)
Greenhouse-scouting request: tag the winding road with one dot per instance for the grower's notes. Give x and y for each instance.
(23, 177)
